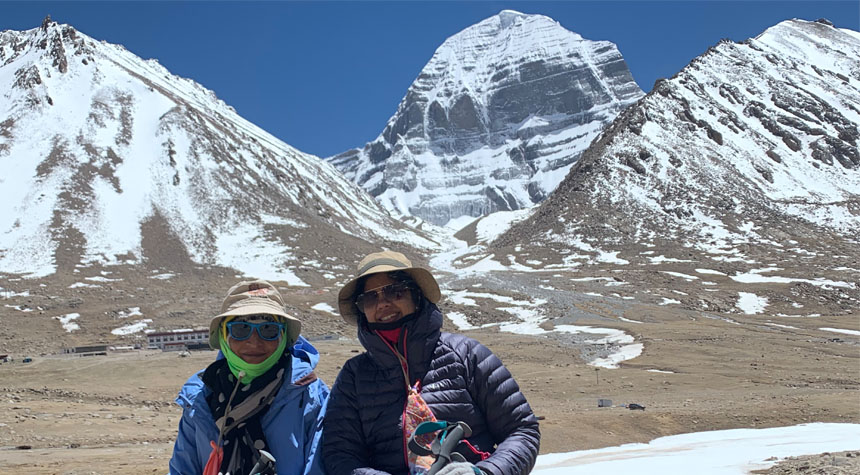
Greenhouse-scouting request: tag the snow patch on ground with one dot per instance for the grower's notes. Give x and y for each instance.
(751, 304)
(131, 328)
(83, 284)
(99, 278)
(6, 293)
(492, 226)
(528, 319)
(324, 307)
(719, 452)
(678, 274)
(841, 330)
(68, 324)
(130, 312)
(755, 277)
(19, 308)
(460, 320)
(627, 352)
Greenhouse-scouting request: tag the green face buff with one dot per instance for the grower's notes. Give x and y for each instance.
(252, 371)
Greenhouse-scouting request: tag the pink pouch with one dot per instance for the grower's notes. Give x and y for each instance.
(416, 412)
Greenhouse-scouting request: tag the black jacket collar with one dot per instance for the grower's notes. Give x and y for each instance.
(421, 335)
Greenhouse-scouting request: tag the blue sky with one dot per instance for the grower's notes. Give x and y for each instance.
(326, 76)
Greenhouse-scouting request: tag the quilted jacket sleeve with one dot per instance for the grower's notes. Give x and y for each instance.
(343, 447)
(513, 424)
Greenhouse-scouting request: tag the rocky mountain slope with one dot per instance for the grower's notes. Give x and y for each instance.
(745, 161)
(133, 199)
(494, 121)
(110, 159)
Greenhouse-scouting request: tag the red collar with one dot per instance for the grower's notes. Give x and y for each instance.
(391, 335)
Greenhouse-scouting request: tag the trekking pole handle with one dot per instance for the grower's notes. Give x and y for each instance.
(265, 464)
(448, 445)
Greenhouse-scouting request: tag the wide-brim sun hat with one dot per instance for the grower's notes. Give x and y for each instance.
(252, 298)
(386, 261)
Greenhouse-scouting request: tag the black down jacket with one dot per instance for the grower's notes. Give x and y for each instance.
(461, 380)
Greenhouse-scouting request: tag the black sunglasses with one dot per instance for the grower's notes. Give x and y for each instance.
(390, 293)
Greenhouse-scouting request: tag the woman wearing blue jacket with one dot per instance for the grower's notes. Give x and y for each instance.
(414, 372)
(260, 394)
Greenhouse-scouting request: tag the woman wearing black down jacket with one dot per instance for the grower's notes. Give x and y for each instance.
(394, 306)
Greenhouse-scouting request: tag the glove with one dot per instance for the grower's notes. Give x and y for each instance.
(460, 468)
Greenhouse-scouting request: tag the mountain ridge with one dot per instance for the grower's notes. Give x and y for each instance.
(98, 141)
(744, 161)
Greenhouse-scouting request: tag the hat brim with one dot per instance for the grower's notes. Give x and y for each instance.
(425, 280)
(294, 325)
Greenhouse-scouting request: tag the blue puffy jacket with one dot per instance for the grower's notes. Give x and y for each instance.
(292, 425)
(461, 380)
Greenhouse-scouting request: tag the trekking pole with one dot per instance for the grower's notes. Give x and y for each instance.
(449, 443)
(265, 465)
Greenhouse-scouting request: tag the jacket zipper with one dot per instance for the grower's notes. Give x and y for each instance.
(404, 366)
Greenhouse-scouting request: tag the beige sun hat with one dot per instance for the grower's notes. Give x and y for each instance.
(250, 298)
(386, 261)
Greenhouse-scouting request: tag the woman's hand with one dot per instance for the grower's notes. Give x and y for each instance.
(460, 468)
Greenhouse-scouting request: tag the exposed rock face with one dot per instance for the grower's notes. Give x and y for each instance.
(751, 146)
(494, 121)
(99, 147)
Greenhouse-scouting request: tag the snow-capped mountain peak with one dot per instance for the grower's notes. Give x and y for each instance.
(111, 159)
(494, 120)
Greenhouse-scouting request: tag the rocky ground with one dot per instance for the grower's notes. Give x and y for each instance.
(113, 414)
(840, 463)
(700, 369)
